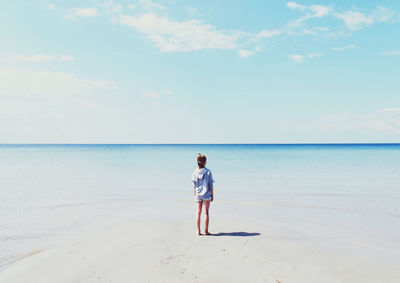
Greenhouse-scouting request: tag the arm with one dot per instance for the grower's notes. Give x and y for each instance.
(211, 186)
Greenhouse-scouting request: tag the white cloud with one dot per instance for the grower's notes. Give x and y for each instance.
(38, 58)
(156, 95)
(66, 58)
(355, 20)
(245, 53)
(171, 36)
(397, 109)
(313, 55)
(390, 53)
(312, 11)
(19, 82)
(376, 123)
(342, 48)
(268, 33)
(294, 5)
(296, 58)
(50, 7)
(387, 125)
(298, 26)
(146, 5)
(320, 11)
(194, 12)
(352, 19)
(383, 14)
(47, 106)
(84, 12)
(110, 7)
(151, 94)
(322, 28)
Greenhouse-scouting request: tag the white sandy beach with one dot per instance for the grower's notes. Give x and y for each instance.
(169, 251)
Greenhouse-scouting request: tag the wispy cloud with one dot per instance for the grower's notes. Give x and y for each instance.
(396, 109)
(151, 94)
(172, 36)
(20, 81)
(299, 26)
(66, 58)
(110, 7)
(384, 122)
(156, 97)
(346, 47)
(314, 55)
(147, 5)
(245, 53)
(391, 53)
(38, 58)
(314, 11)
(353, 20)
(194, 12)
(50, 7)
(21, 58)
(296, 58)
(156, 94)
(168, 35)
(269, 33)
(44, 105)
(356, 20)
(311, 11)
(383, 14)
(374, 122)
(82, 12)
(294, 5)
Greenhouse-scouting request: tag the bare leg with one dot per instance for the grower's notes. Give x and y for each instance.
(199, 206)
(207, 206)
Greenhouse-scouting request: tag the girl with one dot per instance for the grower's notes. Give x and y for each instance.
(203, 190)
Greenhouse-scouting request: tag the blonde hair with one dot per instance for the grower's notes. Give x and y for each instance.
(201, 160)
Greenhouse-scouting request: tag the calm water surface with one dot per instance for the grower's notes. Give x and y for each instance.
(338, 196)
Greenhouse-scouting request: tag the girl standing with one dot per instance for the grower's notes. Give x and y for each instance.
(203, 190)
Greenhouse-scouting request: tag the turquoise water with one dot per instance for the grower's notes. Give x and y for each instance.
(336, 196)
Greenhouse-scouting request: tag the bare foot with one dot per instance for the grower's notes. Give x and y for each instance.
(208, 233)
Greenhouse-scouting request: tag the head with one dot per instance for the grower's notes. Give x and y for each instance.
(201, 160)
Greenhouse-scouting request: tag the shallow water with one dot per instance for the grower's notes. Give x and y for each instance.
(339, 196)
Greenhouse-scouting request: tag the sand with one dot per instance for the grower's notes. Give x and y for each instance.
(162, 250)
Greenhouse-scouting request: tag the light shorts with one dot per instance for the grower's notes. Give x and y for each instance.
(206, 197)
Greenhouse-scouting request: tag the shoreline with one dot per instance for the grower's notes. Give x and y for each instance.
(159, 250)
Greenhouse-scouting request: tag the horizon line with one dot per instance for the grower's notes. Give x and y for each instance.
(311, 143)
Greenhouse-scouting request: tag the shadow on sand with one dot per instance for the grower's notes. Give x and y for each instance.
(236, 234)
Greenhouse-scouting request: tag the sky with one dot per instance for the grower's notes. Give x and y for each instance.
(180, 71)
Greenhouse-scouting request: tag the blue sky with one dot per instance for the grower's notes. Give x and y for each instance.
(199, 71)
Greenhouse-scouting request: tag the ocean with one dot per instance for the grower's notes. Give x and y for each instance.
(343, 197)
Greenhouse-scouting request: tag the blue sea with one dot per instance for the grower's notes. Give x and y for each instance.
(344, 197)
